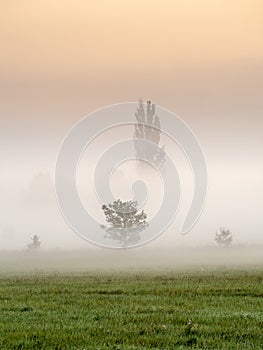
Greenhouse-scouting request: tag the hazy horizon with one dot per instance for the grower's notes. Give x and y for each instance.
(201, 60)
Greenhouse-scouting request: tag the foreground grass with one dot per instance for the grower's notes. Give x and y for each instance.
(209, 310)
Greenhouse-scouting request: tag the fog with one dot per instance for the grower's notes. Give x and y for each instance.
(28, 198)
(201, 60)
(140, 260)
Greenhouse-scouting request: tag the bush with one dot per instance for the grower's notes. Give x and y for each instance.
(223, 237)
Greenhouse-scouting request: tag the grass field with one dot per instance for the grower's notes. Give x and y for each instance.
(171, 310)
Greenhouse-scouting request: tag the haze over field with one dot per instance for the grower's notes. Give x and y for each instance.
(59, 61)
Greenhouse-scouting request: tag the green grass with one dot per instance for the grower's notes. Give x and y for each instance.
(208, 310)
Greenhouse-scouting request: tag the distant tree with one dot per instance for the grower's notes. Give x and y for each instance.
(35, 242)
(151, 132)
(223, 237)
(125, 222)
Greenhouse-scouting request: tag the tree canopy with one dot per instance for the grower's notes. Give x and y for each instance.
(125, 221)
(223, 237)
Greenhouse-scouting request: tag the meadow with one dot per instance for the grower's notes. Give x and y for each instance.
(212, 309)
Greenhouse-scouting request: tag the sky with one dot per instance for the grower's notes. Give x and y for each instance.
(203, 60)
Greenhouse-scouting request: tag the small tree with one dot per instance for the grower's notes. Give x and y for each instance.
(124, 222)
(223, 237)
(35, 242)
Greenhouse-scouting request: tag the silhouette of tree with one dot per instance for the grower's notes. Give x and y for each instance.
(223, 237)
(35, 242)
(125, 222)
(151, 132)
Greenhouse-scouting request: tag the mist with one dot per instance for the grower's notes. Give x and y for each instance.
(202, 61)
(29, 205)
